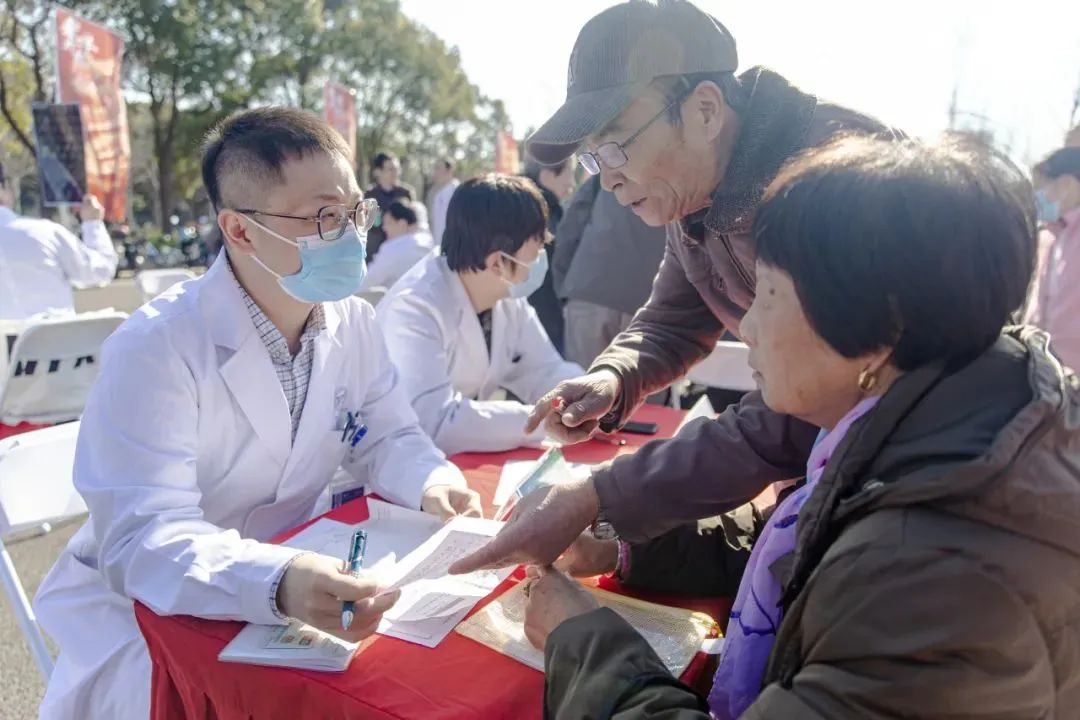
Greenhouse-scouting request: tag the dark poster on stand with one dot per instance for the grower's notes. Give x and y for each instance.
(60, 153)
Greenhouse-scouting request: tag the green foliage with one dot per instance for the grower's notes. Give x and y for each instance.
(189, 63)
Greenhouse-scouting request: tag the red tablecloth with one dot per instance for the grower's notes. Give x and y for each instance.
(389, 678)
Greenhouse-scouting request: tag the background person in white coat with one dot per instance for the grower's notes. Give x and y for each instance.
(458, 326)
(41, 260)
(219, 418)
(406, 244)
(445, 185)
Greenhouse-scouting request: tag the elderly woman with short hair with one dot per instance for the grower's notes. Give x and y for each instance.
(928, 565)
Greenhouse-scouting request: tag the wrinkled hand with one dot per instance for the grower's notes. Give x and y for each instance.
(91, 209)
(544, 523)
(314, 588)
(584, 401)
(553, 598)
(446, 501)
(588, 556)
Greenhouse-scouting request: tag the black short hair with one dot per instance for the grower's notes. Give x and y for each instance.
(3, 177)
(492, 213)
(925, 248)
(381, 159)
(402, 210)
(447, 163)
(1064, 161)
(258, 142)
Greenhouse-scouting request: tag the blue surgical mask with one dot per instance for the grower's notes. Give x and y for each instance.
(1048, 210)
(329, 270)
(537, 272)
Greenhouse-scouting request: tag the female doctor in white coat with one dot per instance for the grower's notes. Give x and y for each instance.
(458, 326)
(198, 445)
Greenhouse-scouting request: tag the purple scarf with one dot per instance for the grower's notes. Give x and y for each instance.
(755, 616)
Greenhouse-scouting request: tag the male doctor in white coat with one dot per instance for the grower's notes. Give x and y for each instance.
(222, 410)
(458, 326)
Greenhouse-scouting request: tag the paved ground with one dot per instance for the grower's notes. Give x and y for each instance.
(121, 294)
(21, 687)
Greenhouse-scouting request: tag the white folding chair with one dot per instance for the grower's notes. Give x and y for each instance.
(9, 330)
(152, 283)
(52, 367)
(726, 367)
(36, 489)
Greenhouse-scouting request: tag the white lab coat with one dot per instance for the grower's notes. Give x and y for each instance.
(396, 257)
(434, 338)
(440, 204)
(186, 463)
(41, 260)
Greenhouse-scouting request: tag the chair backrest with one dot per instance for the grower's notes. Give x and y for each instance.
(36, 483)
(9, 330)
(152, 283)
(52, 367)
(727, 367)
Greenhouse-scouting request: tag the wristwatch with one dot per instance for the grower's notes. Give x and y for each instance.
(602, 529)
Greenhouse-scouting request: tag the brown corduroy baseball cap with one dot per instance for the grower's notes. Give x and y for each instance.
(617, 54)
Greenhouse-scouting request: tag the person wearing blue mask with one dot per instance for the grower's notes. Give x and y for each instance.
(459, 326)
(223, 411)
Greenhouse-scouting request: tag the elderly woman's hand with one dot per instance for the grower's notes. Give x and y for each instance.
(553, 598)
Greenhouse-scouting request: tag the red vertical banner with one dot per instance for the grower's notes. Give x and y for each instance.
(507, 159)
(88, 64)
(339, 111)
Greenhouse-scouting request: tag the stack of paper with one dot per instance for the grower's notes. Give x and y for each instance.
(432, 602)
(675, 634)
(294, 645)
(406, 550)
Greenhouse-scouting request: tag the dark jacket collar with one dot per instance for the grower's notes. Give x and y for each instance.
(776, 121)
(961, 440)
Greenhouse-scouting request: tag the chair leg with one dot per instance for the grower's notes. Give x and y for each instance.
(25, 613)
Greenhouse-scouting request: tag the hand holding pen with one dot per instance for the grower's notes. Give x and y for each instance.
(353, 564)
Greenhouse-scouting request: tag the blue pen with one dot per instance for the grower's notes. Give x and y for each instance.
(358, 435)
(354, 563)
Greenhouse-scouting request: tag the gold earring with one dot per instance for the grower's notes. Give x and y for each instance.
(867, 380)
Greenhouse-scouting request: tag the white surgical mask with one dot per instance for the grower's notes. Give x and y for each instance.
(537, 272)
(329, 270)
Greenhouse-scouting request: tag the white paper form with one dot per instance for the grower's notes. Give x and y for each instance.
(432, 602)
(393, 532)
(674, 634)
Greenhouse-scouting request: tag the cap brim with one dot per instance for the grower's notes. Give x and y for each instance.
(579, 117)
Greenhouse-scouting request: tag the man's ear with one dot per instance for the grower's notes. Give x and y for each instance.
(704, 112)
(234, 230)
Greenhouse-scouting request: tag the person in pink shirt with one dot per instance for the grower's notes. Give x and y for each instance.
(1057, 195)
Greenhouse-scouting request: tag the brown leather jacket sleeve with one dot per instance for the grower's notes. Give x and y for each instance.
(710, 467)
(890, 632)
(673, 331)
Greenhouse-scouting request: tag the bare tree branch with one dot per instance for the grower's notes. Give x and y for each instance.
(10, 118)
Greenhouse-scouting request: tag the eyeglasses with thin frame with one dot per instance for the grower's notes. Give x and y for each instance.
(612, 154)
(332, 220)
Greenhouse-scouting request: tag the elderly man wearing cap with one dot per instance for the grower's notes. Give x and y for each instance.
(655, 107)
